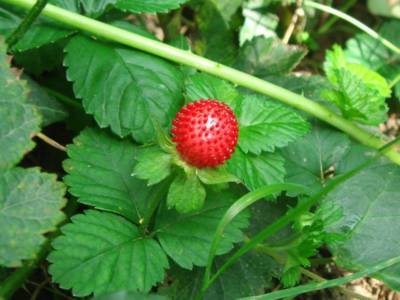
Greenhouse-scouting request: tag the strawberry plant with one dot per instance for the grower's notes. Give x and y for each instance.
(202, 149)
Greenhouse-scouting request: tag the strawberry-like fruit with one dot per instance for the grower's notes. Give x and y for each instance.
(205, 133)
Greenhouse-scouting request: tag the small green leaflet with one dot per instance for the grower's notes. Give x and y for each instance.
(19, 119)
(204, 86)
(186, 238)
(257, 170)
(153, 164)
(101, 252)
(358, 91)
(186, 193)
(268, 56)
(100, 168)
(30, 206)
(264, 125)
(123, 88)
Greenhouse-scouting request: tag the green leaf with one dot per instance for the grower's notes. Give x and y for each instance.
(358, 91)
(128, 295)
(257, 170)
(143, 86)
(309, 159)
(268, 56)
(149, 6)
(100, 168)
(214, 32)
(186, 193)
(30, 206)
(19, 119)
(265, 125)
(51, 110)
(95, 8)
(101, 253)
(370, 208)
(204, 86)
(42, 32)
(216, 175)
(153, 164)
(250, 275)
(187, 238)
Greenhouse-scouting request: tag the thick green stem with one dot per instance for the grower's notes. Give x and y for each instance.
(187, 58)
(26, 23)
(354, 22)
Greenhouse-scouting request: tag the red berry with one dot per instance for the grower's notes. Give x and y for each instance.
(206, 133)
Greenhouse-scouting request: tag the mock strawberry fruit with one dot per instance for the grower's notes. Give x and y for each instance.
(205, 133)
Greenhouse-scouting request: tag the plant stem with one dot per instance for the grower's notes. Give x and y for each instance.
(354, 22)
(26, 23)
(187, 58)
(50, 141)
(328, 24)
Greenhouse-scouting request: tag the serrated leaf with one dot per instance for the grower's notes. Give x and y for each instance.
(100, 168)
(370, 208)
(143, 86)
(265, 125)
(187, 238)
(204, 86)
(308, 160)
(42, 32)
(257, 170)
(19, 119)
(153, 164)
(186, 193)
(30, 206)
(249, 276)
(95, 8)
(149, 6)
(358, 91)
(268, 56)
(101, 253)
(51, 110)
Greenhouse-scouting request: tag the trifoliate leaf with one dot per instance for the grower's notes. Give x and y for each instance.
(123, 88)
(187, 237)
(30, 206)
(204, 86)
(101, 252)
(100, 174)
(153, 164)
(148, 6)
(42, 32)
(186, 193)
(51, 110)
(265, 125)
(309, 159)
(370, 208)
(19, 119)
(358, 91)
(268, 56)
(257, 170)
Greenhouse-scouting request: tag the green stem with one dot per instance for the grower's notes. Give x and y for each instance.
(328, 24)
(354, 22)
(26, 23)
(187, 58)
(64, 99)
